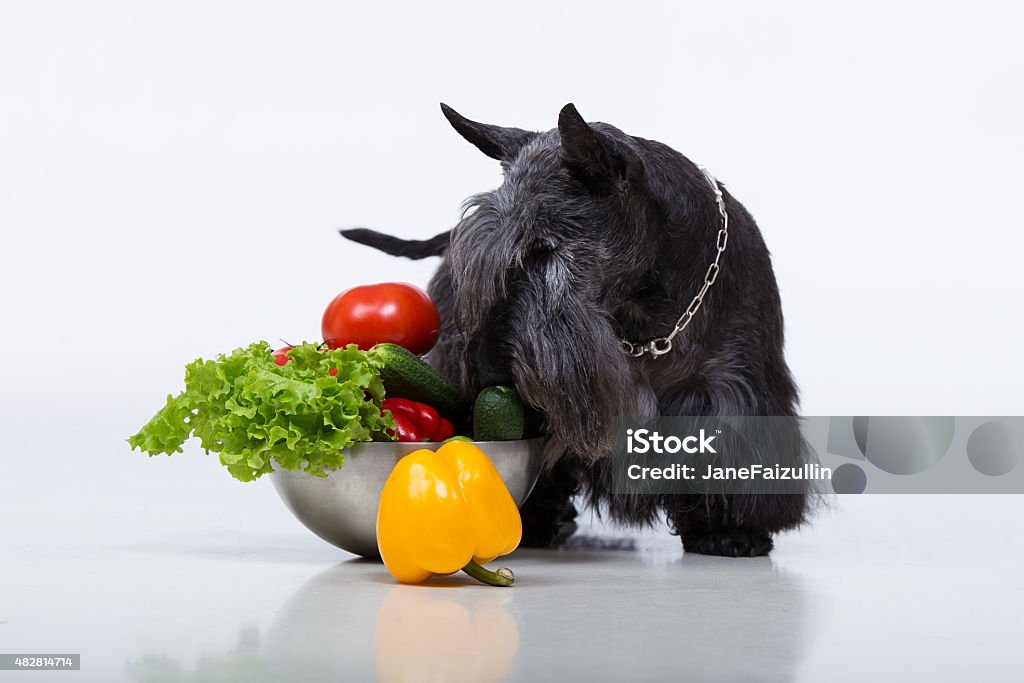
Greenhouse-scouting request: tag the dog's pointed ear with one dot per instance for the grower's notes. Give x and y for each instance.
(591, 157)
(496, 142)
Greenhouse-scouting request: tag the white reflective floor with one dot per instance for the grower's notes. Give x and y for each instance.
(166, 570)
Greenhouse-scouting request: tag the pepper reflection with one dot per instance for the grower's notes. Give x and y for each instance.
(428, 634)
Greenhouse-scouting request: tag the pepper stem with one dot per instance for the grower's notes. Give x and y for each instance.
(502, 577)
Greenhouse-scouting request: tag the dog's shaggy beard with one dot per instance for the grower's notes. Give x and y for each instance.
(532, 318)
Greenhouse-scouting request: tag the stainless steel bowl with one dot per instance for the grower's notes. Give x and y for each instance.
(342, 509)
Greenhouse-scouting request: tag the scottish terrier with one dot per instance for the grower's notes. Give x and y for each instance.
(609, 275)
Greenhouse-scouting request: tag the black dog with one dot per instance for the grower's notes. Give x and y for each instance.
(556, 281)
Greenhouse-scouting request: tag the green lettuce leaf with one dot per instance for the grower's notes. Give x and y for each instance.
(253, 412)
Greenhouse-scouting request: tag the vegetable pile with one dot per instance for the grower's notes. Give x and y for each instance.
(301, 405)
(298, 407)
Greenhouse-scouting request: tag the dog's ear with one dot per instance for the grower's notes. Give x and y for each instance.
(593, 158)
(496, 142)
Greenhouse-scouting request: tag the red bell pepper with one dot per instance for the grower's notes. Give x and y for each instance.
(417, 421)
(445, 431)
(405, 430)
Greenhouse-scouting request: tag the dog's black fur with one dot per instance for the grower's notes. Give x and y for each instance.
(596, 236)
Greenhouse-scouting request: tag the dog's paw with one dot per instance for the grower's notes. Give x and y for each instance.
(731, 543)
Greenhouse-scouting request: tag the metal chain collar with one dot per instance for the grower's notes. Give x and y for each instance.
(662, 345)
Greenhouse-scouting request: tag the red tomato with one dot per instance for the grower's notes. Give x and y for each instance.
(388, 312)
(281, 355)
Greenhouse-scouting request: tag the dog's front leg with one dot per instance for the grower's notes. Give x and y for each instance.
(549, 516)
(739, 524)
(733, 525)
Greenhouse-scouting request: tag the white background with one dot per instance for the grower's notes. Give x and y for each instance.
(172, 176)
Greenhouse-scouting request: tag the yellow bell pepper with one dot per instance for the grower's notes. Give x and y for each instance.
(444, 511)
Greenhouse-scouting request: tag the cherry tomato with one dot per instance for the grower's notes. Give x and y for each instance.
(387, 312)
(281, 355)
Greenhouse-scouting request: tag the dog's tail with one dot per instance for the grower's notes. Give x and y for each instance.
(396, 246)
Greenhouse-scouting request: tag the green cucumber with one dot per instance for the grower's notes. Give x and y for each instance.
(498, 415)
(406, 375)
